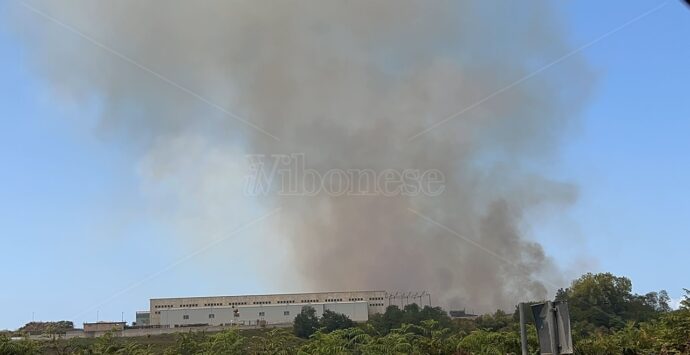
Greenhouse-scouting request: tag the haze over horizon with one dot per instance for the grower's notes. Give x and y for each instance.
(126, 131)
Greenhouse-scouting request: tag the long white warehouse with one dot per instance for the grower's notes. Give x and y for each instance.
(256, 315)
(261, 309)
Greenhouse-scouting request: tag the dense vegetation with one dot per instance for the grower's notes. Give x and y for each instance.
(607, 318)
(46, 327)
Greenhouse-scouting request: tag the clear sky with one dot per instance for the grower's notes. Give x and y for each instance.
(61, 182)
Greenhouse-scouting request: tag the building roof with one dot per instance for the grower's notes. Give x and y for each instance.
(267, 294)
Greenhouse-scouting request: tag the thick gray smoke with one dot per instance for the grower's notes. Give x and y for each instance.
(350, 84)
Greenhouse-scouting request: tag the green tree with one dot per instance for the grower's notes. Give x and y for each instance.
(275, 342)
(341, 341)
(605, 300)
(390, 344)
(106, 344)
(394, 317)
(685, 302)
(225, 342)
(187, 343)
(306, 323)
(18, 347)
(494, 322)
(436, 339)
(331, 321)
(674, 330)
(664, 301)
(483, 342)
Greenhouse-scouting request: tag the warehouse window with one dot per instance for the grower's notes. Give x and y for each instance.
(210, 316)
(286, 313)
(186, 316)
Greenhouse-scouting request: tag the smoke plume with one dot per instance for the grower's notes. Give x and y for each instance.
(351, 85)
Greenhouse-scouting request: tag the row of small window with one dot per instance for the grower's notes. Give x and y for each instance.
(375, 304)
(269, 302)
(285, 313)
(212, 316)
(213, 304)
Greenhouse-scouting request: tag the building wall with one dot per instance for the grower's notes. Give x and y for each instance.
(376, 302)
(143, 319)
(103, 326)
(254, 315)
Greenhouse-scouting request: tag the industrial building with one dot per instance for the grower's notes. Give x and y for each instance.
(258, 309)
(142, 319)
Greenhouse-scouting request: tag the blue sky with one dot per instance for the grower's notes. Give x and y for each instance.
(61, 182)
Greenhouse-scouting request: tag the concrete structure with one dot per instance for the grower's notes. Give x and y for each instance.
(267, 309)
(103, 326)
(150, 331)
(143, 319)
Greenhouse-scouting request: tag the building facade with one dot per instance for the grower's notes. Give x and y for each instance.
(256, 315)
(262, 309)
